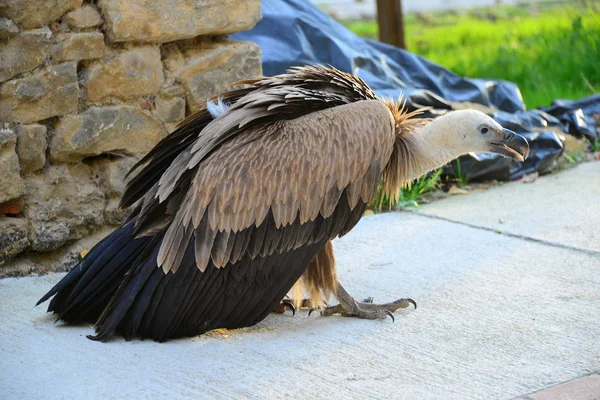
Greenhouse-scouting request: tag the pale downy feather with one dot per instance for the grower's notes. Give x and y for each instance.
(218, 108)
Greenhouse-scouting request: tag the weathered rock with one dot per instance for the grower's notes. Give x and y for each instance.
(7, 28)
(82, 18)
(62, 204)
(31, 147)
(13, 237)
(59, 260)
(132, 73)
(11, 183)
(31, 14)
(78, 46)
(24, 52)
(169, 108)
(51, 92)
(165, 21)
(172, 57)
(111, 175)
(172, 91)
(116, 130)
(209, 71)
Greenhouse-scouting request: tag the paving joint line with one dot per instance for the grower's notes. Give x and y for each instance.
(509, 234)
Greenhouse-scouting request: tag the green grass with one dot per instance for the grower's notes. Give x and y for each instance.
(550, 52)
(410, 196)
(461, 178)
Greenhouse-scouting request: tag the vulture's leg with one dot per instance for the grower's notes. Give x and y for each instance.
(365, 310)
(320, 279)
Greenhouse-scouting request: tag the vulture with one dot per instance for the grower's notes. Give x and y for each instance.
(241, 202)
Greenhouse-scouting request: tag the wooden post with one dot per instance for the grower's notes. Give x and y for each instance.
(390, 21)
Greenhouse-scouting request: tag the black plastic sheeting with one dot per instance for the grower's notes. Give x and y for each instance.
(296, 32)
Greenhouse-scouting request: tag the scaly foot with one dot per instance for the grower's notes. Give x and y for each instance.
(349, 307)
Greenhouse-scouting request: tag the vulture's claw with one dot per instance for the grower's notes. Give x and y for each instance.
(290, 305)
(391, 315)
(349, 307)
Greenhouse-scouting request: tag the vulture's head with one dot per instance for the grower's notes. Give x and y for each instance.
(472, 131)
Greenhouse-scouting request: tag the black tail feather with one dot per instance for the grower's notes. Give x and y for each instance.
(84, 292)
(79, 269)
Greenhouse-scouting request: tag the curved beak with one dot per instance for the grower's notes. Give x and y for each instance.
(511, 145)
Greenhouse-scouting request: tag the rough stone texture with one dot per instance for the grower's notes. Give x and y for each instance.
(166, 21)
(130, 74)
(13, 237)
(31, 14)
(62, 204)
(82, 18)
(172, 57)
(51, 92)
(11, 183)
(112, 181)
(31, 147)
(78, 46)
(7, 28)
(59, 260)
(69, 93)
(169, 108)
(209, 71)
(115, 130)
(24, 52)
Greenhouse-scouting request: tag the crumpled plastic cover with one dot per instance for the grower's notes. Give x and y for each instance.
(296, 32)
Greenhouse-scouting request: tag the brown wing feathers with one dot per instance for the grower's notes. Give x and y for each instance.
(252, 158)
(236, 187)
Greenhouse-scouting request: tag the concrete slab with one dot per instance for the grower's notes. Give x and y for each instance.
(561, 208)
(498, 317)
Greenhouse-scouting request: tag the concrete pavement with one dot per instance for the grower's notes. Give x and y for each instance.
(500, 315)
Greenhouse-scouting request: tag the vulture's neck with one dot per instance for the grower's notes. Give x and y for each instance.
(431, 148)
(419, 152)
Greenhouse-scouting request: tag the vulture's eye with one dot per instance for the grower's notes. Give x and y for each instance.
(483, 130)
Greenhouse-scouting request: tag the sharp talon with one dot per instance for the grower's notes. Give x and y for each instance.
(290, 305)
(411, 301)
(310, 311)
(368, 299)
(391, 315)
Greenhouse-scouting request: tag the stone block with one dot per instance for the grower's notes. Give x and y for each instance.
(129, 74)
(78, 46)
(7, 28)
(51, 92)
(11, 183)
(111, 175)
(31, 147)
(83, 18)
(209, 71)
(13, 237)
(24, 52)
(123, 130)
(166, 21)
(62, 204)
(169, 109)
(31, 14)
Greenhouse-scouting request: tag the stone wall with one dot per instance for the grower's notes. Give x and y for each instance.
(88, 87)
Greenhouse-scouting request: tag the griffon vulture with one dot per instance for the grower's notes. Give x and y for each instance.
(243, 199)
